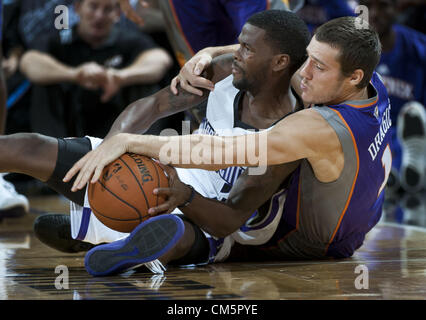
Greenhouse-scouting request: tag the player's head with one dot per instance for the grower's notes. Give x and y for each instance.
(341, 60)
(97, 18)
(272, 42)
(381, 14)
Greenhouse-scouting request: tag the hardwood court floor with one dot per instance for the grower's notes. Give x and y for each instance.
(394, 253)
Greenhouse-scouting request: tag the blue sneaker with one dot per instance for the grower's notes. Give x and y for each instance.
(147, 242)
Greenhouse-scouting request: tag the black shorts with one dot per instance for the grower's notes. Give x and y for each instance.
(70, 150)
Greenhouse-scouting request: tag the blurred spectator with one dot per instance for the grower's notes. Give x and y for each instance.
(194, 25)
(412, 13)
(88, 72)
(403, 68)
(317, 12)
(12, 204)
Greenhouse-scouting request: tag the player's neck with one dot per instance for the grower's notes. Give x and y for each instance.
(356, 95)
(272, 102)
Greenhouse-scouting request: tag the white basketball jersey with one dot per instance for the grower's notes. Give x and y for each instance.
(221, 120)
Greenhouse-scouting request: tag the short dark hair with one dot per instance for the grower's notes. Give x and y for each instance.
(286, 32)
(359, 45)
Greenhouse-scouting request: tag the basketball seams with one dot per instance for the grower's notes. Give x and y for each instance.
(115, 219)
(137, 171)
(137, 181)
(122, 200)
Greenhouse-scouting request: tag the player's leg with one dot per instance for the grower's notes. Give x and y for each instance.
(47, 159)
(54, 230)
(161, 240)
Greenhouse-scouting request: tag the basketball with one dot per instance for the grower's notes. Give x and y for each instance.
(121, 197)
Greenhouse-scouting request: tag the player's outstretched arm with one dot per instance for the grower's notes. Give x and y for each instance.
(218, 218)
(304, 134)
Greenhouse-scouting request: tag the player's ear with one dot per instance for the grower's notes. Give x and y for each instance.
(356, 77)
(280, 62)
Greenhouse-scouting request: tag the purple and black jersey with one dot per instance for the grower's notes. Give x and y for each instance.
(332, 219)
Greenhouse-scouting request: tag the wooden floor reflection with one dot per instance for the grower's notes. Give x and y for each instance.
(394, 255)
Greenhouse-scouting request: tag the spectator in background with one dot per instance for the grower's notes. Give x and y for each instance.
(86, 71)
(403, 68)
(413, 14)
(194, 25)
(12, 204)
(318, 12)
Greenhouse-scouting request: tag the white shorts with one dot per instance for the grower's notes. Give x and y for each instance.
(86, 227)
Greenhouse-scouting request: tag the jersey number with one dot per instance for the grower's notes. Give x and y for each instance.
(387, 165)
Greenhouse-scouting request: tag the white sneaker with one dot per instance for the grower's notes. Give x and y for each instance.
(411, 130)
(414, 208)
(12, 204)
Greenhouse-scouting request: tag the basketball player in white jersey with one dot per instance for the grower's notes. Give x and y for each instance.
(336, 194)
(272, 48)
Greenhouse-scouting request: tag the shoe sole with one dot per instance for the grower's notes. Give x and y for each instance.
(149, 241)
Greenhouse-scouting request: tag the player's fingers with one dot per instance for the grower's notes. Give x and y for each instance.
(97, 173)
(159, 209)
(74, 169)
(201, 65)
(173, 85)
(187, 87)
(162, 192)
(170, 171)
(85, 173)
(201, 82)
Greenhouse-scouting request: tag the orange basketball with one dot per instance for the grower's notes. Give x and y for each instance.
(121, 197)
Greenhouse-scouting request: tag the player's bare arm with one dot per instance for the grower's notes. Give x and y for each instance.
(218, 218)
(141, 114)
(285, 142)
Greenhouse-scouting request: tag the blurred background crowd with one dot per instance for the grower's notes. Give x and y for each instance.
(71, 66)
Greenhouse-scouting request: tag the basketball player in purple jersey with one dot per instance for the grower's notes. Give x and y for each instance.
(335, 196)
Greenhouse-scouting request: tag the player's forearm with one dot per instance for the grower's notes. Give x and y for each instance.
(215, 217)
(136, 118)
(140, 115)
(44, 69)
(201, 151)
(150, 67)
(218, 51)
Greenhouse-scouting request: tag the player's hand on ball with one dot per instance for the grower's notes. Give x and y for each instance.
(91, 165)
(177, 194)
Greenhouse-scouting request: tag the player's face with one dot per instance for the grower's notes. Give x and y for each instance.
(97, 17)
(322, 79)
(381, 14)
(252, 59)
